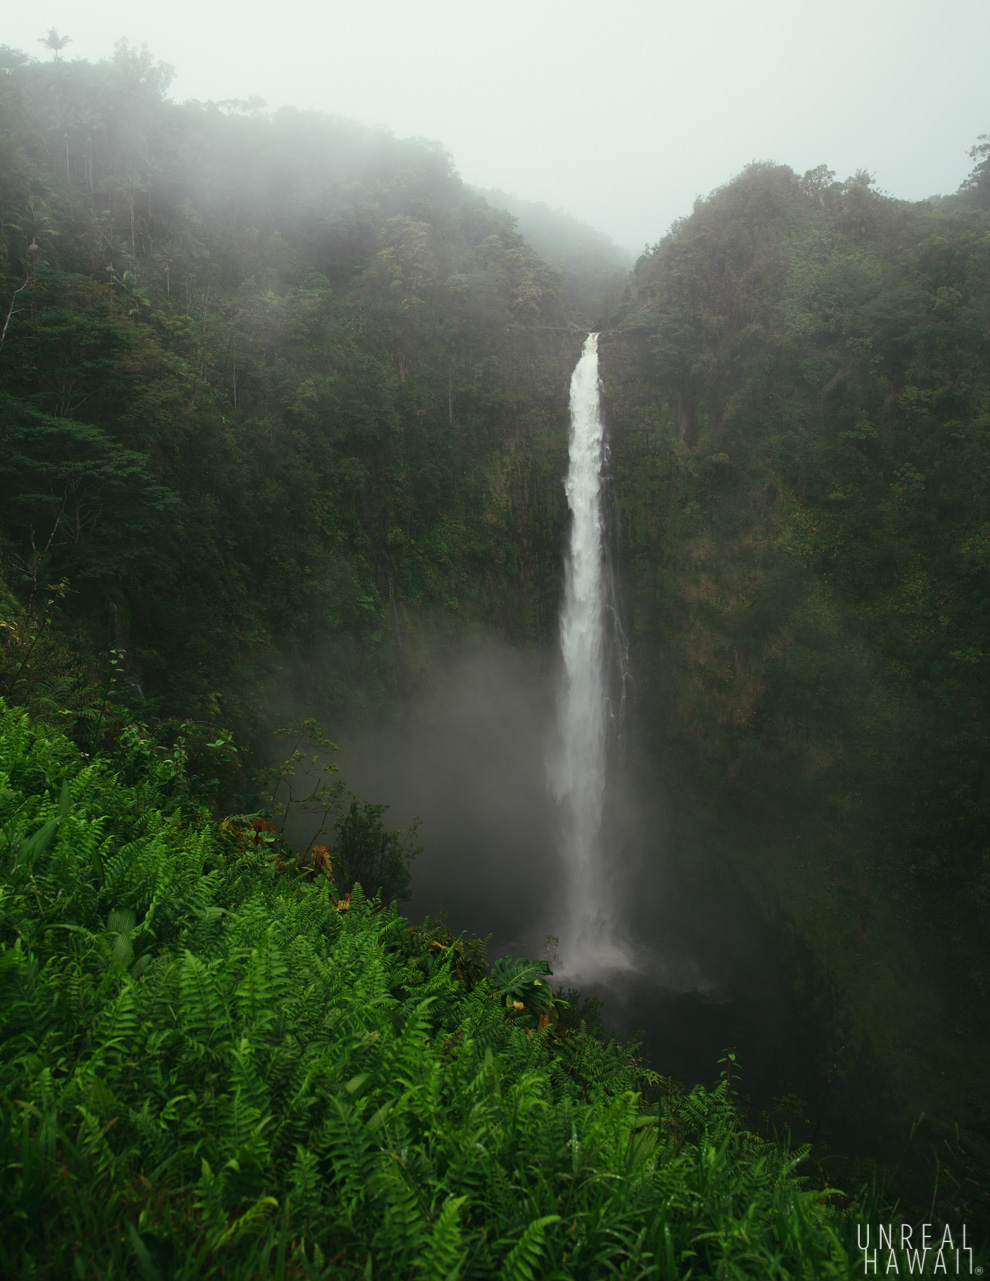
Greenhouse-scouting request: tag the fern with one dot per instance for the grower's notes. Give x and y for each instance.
(200, 1036)
(202, 1013)
(397, 1189)
(117, 1025)
(442, 1257)
(351, 1150)
(523, 1259)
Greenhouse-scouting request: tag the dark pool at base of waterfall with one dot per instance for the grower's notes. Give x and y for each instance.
(705, 977)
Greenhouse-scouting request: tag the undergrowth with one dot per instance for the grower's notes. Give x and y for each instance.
(211, 1065)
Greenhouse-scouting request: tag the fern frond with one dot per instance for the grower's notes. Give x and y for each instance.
(117, 1026)
(523, 1260)
(202, 1013)
(249, 1223)
(442, 1257)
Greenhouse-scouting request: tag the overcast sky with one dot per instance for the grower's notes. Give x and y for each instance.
(619, 112)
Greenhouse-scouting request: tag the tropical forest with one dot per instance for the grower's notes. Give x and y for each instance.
(334, 943)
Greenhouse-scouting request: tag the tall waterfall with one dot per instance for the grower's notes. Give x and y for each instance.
(585, 711)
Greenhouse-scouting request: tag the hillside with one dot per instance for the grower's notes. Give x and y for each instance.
(265, 381)
(799, 386)
(213, 1066)
(283, 424)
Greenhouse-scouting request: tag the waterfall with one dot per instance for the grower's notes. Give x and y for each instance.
(587, 717)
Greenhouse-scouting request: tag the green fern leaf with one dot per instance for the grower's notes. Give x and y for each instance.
(442, 1257)
(524, 1257)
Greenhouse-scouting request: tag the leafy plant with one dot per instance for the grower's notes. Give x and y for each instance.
(304, 783)
(368, 854)
(524, 984)
(207, 1069)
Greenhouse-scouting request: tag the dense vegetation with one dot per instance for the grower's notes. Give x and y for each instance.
(280, 397)
(213, 1066)
(594, 271)
(800, 403)
(263, 380)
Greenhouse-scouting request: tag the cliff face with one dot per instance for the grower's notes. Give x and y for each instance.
(796, 391)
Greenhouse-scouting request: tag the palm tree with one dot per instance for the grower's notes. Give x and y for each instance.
(61, 127)
(55, 42)
(34, 224)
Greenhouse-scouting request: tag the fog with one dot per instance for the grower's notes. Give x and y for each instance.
(469, 759)
(620, 114)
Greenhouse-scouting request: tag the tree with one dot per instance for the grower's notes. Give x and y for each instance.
(96, 503)
(55, 42)
(369, 855)
(976, 188)
(131, 185)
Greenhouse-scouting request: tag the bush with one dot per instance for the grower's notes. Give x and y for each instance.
(367, 854)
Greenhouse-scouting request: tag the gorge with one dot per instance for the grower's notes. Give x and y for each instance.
(284, 427)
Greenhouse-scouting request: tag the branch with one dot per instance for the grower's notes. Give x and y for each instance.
(11, 310)
(40, 556)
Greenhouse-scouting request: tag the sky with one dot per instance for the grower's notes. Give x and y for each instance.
(622, 113)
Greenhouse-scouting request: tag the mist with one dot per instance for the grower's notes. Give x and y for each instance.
(285, 442)
(469, 759)
(622, 116)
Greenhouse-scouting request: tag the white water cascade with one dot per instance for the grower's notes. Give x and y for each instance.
(588, 940)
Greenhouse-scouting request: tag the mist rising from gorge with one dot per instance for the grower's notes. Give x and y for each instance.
(469, 759)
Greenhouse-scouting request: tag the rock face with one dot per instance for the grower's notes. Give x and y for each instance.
(793, 436)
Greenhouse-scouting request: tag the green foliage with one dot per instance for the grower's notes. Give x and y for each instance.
(823, 381)
(366, 854)
(93, 503)
(594, 270)
(525, 985)
(975, 190)
(212, 1068)
(802, 469)
(279, 393)
(263, 379)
